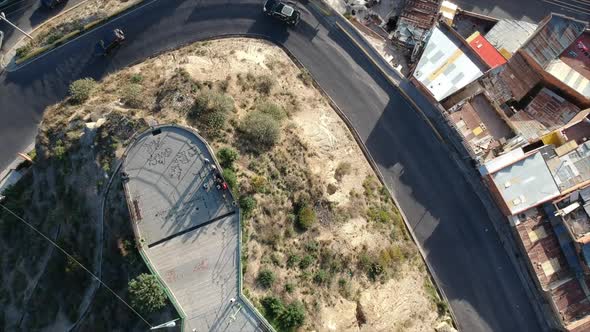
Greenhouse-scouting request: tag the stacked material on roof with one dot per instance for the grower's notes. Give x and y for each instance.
(416, 20)
(507, 36)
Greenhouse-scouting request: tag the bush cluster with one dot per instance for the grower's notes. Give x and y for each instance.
(81, 90)
(261, 130)
(286, 317)
(227, 157)
(132, 95)
(146, 293)
(210, 109)
(266, 278)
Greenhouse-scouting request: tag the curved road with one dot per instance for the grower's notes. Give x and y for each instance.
(449, 221)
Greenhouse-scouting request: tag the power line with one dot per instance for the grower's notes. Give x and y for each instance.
(77, 262)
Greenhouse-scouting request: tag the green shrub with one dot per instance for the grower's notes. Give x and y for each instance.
(266, 278)
(260, 129)
(247, 204)
(306, 217)
(24, 50)
(258, 184)
(146, 294)
(81, 90)
(272, 109)
(321, 277)
(136, 78)
(231, 178)
(59, 150)
(227, 156)
(379, 215)
(292, 260)
(292, 316)
(289, 287)
(273, 306)
(133, 95)
(211, 109)
(306, 262)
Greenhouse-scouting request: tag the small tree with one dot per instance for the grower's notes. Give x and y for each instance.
(146, 293)
(305, 217)
(260, 129)
(292, 316)
(80, 90)
(266, 278)
(247, 204)
(273, 306)
(211, 109)
(133, 95)
(227, 156)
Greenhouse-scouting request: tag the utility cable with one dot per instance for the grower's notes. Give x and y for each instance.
(77, 262)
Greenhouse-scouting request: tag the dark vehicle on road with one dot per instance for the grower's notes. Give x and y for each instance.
(113, 40)
(283, 11)
(51, 3)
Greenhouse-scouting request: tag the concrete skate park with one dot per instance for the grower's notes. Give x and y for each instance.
(188, 227)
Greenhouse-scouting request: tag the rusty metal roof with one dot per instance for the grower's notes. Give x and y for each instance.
(554, 34)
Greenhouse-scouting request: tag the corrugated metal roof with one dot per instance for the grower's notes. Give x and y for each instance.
(445, 65)
(551, 110)
(569, 76)
(526, 183)
(485, 50)
(510, 34)
(552, 36)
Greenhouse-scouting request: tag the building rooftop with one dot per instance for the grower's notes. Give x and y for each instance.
(525, 183)
(568, 75)
(542, 247)
(577, 55)
(466, 23)
(545, 113)
(507, 36)
(578, 129)
(485, 50)
(447, 64)
(574, 211)
(480, 125)
(415, 20)
(572, 304)
(553, 35)
(570, 167)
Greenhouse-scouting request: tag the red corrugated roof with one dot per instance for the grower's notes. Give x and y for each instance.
(486, 51)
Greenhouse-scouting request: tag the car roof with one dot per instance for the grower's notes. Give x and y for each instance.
(287, 10)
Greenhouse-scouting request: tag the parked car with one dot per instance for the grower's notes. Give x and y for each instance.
(283, 11)
(51, 3)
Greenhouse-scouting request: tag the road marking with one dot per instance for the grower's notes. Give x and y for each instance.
(395, 84)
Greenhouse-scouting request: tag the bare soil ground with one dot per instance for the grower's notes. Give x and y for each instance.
(353, 266)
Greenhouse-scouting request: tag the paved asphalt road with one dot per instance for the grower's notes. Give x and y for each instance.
(449, 221)
(527, 10)
(28, 14)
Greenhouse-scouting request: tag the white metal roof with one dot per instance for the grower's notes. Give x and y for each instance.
(510, 34)
(444, 66)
